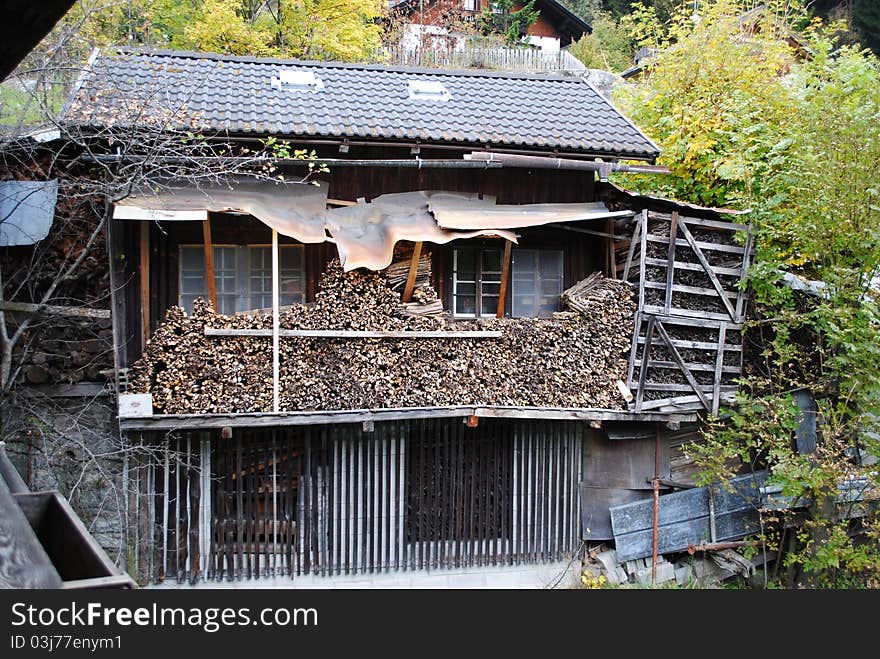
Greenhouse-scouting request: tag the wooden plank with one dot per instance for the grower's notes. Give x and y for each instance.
(80, 389)
(358, 334)
(413, 273)
(505, 276)
(681, 364)
(667, 386)
(695, 318)
(705, 246)
(696, 322)
(719, 364)
(740, 294)
(670, 259)
(708, 268)
(682, 265)
(632, 245)
(209, 263)
(23, 560)
(144, 274)
(637, 328)
(681, 288)
(267, 420)
(716, 224)
(700, 345)
(589, 232)
(684, 517)
(114, 581)
(54, 310)
(646, 361)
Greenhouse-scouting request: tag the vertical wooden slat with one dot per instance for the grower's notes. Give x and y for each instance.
(209, 263)
(145, 282)
(646, 359)
(740, 294)
(505, 276)
(719, 364)
(670, 262)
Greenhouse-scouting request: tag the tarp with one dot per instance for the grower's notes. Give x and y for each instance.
(26, 211)
(457, 213)
(366, 233)
(293, 209)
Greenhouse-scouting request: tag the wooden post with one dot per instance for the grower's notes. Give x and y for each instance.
(209, 263)
(276, 362)
(145, 283)
(413, 273)
(505, 275)
(670, 268)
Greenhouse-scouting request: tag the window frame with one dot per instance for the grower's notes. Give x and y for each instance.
(478, 249)
(243, 292)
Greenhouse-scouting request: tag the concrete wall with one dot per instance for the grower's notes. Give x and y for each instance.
(549, 575)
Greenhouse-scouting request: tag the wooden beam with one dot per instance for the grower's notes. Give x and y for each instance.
(505, 275)
(646, 361)
(612, 254)
(413, 273)
(709, 247)
(670, 270)
(632, 244)
(209, 264)
(682, 265)
(358, 334)
(264, 420)
(719, 364)
(145, 283)
(54, 310)
(708, 268)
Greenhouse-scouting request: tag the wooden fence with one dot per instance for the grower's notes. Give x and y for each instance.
(504, 59)
(333, 500)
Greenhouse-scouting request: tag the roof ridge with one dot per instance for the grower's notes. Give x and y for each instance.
(363, 66)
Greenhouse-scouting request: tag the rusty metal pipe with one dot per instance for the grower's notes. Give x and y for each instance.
(655, 531)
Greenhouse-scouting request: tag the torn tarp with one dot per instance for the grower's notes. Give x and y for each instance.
(293, 209)
(365, 234)
(454, 212)
(26, 211)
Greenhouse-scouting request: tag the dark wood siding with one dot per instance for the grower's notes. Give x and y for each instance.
(508, 186)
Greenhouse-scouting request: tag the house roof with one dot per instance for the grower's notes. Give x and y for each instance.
(247, 95)
(570, 26)
(26, 23)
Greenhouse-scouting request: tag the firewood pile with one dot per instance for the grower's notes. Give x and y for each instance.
(573, 360)
(68, 351)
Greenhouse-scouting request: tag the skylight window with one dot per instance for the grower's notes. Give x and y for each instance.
(297, 80)
(428, 90)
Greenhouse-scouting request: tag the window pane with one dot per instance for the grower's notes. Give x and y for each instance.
(465, 305)
(466, 289)
(490, 289)
(192, 258)
(465, 266)
(489, 305)
(193, 284)
(537, 282)
(491, 261)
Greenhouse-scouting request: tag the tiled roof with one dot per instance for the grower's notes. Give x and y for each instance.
(236, 95)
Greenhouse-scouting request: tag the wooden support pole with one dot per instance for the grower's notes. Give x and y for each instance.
(145, 282)
(209, 264)
(276, 356)
(505, 276)
(670, 270)
(413, 273)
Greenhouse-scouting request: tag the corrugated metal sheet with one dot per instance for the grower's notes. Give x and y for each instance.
(703, 514)
(26, 211)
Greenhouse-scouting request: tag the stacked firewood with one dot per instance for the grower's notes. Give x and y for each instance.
(570, 361)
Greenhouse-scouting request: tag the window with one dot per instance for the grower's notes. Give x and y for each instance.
(243, 276)
(476, 281)
(470, 5)
(537, 282)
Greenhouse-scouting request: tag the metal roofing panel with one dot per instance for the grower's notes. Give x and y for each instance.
(26, 211)
(212, 92)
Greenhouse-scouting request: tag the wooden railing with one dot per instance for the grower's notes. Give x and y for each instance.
(505, 59)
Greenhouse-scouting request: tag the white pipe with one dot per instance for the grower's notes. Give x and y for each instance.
(275, 323)
(624, 391)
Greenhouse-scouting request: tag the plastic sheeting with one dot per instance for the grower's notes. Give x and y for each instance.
(453, 212)
(292, 209)
(26, 211)
(366, 233)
